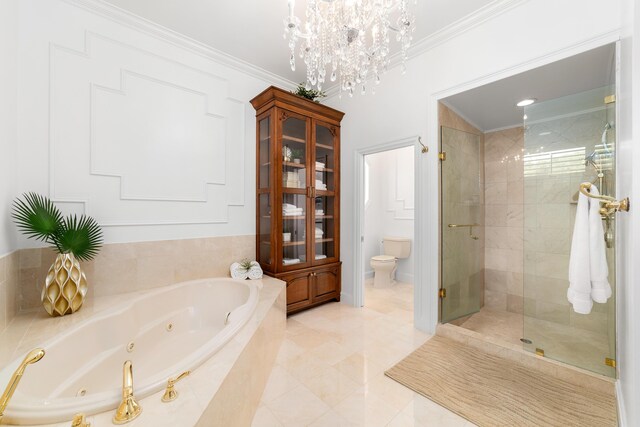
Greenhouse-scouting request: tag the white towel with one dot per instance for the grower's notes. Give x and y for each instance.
(237, 272)
(255, 272)
(588, 264)
(289, 261)
(600, 288)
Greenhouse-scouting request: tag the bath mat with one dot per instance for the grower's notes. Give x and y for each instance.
(492, 391)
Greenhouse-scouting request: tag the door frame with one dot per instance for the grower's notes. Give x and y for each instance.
(358, 229)
(430, 304)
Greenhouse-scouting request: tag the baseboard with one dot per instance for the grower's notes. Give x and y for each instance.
(346, 298)
(622, 414)
(368, 274)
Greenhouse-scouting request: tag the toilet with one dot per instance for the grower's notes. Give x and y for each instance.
(384, 266)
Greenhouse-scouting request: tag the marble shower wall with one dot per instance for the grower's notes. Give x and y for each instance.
(8, 288)
(550, 205)
(503, 194)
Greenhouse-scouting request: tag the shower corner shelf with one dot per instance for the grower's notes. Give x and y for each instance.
(298, 171)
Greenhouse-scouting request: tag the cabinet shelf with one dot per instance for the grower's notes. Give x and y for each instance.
(326, 147)
(294, 165)
(324, 240)
(293, 139)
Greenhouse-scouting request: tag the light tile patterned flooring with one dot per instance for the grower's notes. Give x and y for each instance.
(330, 369)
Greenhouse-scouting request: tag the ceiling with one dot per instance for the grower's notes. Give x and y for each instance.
(493, 106)
(252, 30)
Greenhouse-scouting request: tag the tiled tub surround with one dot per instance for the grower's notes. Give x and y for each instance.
(128, 267)
(228, 386)
(8, 288)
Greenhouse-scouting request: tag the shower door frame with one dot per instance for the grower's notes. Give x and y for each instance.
(430, 304)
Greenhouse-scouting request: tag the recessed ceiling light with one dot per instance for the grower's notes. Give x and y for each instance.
(526, 102)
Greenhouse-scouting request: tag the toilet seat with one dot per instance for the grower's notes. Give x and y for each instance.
(383, 258)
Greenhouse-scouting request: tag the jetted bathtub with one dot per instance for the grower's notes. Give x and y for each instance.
(164, 332)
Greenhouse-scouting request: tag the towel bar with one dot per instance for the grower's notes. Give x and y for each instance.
(610, 204)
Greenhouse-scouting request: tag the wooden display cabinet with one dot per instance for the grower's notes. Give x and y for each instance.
(298, 196)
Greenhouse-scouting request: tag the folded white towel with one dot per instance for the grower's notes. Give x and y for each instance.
(588, 270)
(255, 272)
(289, 261)
(237, 272)
(321, 256)
(289, 206)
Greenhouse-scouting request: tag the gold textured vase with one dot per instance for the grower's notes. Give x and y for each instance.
(65, 286)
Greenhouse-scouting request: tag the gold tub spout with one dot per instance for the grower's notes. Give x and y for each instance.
(128, 409)
(34, 356)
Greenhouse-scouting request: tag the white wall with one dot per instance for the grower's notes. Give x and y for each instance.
(391, 206)
(8, 113)
(521, 38)
(628, 235)
(150, 133)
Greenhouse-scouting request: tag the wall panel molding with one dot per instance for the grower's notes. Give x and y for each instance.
(109, 97)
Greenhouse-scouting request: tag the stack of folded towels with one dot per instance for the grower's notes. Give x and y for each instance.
(239, 272)
(321, 185)
(321, 256)
(319, 165)
(291, 210)
(319, 233)
(319, 212)
(289, 261)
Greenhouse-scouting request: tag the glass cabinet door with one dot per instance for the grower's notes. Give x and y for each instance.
(264, 202)
(295, 191)
(324, 169)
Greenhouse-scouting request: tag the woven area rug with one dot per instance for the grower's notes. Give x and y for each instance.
(493, 391)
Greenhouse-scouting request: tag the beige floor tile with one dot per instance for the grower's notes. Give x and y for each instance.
(331, 419)
(264, 418)
(366, 409)
(330, 368)
(298, 407)
(278, 384)
(359, 368)
(332, 386)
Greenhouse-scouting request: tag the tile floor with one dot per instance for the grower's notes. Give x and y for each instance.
(330, 369)
(565, 343)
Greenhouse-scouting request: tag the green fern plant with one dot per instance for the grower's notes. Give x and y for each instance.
(38, 218)
(311, 94)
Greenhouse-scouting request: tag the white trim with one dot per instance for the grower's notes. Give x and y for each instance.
(368, 274)
(462, 115)
(462, 25)
(503, 128)
(358, 219)
(131, 20)
(428, 272)
(405, 278)
(622, 413)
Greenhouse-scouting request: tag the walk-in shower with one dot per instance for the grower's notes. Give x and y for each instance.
(508, 207)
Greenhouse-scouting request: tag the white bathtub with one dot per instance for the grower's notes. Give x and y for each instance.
(173, 329)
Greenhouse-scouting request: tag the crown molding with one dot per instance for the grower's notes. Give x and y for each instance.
(131, 20)
(462, 25)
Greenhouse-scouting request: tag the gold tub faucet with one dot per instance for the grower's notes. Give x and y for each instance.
(128, 409)
(34, 356)
(170, 393)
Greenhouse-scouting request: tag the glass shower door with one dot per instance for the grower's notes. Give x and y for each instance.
(462, 224)
(568, 141)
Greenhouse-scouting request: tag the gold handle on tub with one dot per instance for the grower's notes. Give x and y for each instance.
(80, 420)
(170, 394)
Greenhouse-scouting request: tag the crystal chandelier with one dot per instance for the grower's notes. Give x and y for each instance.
(349, 39)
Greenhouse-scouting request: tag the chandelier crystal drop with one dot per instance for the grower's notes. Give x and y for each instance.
(348, 40)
